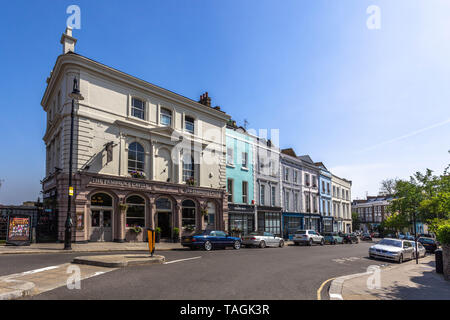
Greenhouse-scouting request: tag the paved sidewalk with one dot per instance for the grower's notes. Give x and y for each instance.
(407, 281)
(88, 247)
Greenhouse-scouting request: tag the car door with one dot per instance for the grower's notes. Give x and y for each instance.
(223, 239)
(408, 250)
(269, 238)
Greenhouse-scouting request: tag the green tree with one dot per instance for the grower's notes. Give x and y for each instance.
(355, 221)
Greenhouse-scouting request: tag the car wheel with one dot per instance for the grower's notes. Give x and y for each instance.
(400, 259)
(262, 244)
(281, 245)
(237, 245)
(310, 242)
(322, 242)
(208, 246)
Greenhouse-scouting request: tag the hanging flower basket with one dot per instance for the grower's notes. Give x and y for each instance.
(136, 230)
(190, 182)
(137, 174)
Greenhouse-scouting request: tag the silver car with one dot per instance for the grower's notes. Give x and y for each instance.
(420, 248)
(307, 237)
(262, 240)
(392, 249)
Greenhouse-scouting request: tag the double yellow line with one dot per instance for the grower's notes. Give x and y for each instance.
(319, 291)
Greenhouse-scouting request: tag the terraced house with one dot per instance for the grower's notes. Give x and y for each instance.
(341, 197)
(240, 179)
(143, 156)
(325, 198)
(310, 192)
(293, 217)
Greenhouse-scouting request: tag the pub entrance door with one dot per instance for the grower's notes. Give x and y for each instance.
(101, 225)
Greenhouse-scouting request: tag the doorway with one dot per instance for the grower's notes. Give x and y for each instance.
(164, 222)
(101, 225)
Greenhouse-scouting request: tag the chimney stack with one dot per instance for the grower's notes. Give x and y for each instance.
(205, 100)
(68, 41)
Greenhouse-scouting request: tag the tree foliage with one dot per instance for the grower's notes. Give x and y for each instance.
(355, 221)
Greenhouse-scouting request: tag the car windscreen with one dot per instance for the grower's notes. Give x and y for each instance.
(425, 240)
(389, 242)
(300, 232)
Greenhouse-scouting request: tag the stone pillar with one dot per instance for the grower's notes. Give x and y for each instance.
(178, 216)
(151, 212)
(121, 209)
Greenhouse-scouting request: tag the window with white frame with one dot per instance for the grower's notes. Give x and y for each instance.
(286, 174)
(314, 181)
(273, 194)
(189, 124)
(230, 190)
(136, 157)
(295, 176)
(262, 195)
(245, 159)
(286, 200)
(230, 156)
(166, 117)
(307, 179)
(296, 202)
(244, 192)
(188, 168)
(138, 108)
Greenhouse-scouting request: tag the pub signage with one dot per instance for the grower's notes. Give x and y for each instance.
(19, 230)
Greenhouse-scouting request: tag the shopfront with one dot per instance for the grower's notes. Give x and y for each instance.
(327, 224)
(292, 221)
(241, 218)
(269, 220)
(312, 221)
(108, 208)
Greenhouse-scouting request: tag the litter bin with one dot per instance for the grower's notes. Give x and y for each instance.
(439, 261)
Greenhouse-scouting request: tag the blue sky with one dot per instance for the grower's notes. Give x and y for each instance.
(370, 104)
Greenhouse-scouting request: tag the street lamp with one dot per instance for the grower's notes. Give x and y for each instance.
(75, 95)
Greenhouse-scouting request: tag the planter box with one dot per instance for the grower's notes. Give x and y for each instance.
(132, 236)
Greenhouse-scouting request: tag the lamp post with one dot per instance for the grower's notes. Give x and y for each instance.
(75, 95)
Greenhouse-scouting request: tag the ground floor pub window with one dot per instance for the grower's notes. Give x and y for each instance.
(241, 221)
(327, 225)
(269, 222)
(188, 218)
(135, 212)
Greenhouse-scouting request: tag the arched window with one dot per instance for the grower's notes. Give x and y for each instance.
(163, 204)
(101, 200)
(135, 212)
(136, 157)
(188, 168)
(188, 213)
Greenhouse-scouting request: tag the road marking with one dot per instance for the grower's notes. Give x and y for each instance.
(336, 296)
(175, 261)
(37, 270)
(319, 297)
(345, 259)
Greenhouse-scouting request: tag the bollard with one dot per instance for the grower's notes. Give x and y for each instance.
(439, 261)
(151, 241)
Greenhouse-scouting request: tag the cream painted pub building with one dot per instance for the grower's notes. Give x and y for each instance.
(143, 156)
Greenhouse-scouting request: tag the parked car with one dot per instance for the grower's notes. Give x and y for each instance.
(375, 235)
(430, 244)
(366, 236)
(262, 240)
(420, 248)
(333, 238)
(409, 237)
(307, 237)
(349, 237)
(392, 249)
(210, 239)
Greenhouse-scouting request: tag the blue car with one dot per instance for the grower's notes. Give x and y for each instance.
(210, 239)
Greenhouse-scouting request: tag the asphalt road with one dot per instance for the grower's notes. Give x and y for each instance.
(272, 273)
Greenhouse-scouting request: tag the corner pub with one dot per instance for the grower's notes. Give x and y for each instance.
(143, 156)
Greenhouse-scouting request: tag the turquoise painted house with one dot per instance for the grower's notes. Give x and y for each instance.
(240, 179)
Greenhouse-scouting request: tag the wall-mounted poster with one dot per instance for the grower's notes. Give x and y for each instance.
(19, 230)
(80, 221)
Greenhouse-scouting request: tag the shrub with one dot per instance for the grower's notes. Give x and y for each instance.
(443, 233)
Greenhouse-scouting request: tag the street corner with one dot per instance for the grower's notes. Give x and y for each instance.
(12, 289)
(119, 261)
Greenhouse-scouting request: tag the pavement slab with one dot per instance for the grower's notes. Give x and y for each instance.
(119, 260)
(408, 281)
(16, 286)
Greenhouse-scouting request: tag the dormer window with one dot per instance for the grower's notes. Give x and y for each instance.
(189, 124)
(166, 117)
(138, 108)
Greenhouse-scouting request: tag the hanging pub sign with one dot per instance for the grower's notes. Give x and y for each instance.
(19, 230)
